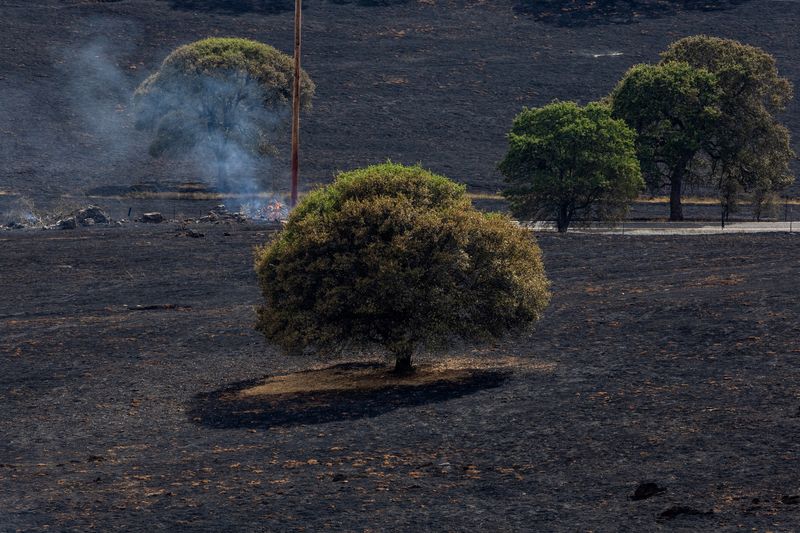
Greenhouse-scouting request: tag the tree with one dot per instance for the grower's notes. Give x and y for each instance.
(674, 109)
(564, 160)
(750, 149)
(396, 258)
(223, 98)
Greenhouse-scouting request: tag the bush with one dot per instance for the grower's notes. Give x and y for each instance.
(395, 258)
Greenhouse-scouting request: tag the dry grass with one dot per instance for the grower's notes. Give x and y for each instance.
(698, 200)
(374, 378)
(178, 195)
(485, 196)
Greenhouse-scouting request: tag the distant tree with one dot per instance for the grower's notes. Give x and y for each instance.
(565, 160)
(750, 150)
(396, 258)
(674, 109)
(224, 97)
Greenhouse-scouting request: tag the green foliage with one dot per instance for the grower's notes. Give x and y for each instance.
(396, 258)
(674, 109)
(748, 150)
(226, 96)
(565, 160)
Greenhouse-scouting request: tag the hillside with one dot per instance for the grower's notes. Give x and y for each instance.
(413, 81)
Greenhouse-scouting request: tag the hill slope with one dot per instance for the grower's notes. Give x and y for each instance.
(416, 81)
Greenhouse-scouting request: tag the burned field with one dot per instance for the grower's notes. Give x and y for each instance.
(128, 354)
(432, 82)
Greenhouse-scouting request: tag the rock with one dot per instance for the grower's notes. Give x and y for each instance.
(93, 213)
(67, 223)
(682, 510)
(14, 225)
(194, 234)
(152, 218)
(646, 490)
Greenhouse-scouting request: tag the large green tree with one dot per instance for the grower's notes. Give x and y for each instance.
(674, 109)
(396, 258)
(750, 150)
(565, 161)
(226, 99)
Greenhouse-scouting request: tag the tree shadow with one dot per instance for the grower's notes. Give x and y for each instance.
(575, 13)
(266, 7)
(226, 409)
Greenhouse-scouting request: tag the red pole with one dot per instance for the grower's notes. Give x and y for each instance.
(296, 101)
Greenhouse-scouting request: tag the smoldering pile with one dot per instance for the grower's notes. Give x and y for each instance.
(88, 216)
(270, 212)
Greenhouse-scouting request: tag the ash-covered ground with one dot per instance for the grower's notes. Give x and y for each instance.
(434, 82)
(665, 360)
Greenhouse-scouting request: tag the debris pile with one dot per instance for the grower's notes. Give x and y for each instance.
(272, 211)
(20, 216)
(220, 215)
(91, 215)
(88, 216)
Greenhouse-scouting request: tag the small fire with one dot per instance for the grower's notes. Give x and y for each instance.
(271, 211)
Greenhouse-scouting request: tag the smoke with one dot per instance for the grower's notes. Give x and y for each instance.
(226, 123)
(100, 78)
(212, 128)
(219, 121)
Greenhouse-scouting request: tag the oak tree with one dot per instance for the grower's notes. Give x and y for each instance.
(674, 109)
(566, 161)
(225, 98)
(396, 259)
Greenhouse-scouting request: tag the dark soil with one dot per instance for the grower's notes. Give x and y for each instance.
(675, 361)
(431, 81)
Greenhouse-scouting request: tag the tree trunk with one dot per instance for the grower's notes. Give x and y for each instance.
(402, 362)
(675, 207)
(562, 222)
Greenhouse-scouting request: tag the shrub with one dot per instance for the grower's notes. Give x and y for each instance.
(395, 258)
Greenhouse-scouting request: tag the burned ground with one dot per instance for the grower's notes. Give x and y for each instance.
(436, 82)
(668, 360)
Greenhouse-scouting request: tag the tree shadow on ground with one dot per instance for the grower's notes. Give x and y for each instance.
(266, 7)
(226, 409)
(575, 13)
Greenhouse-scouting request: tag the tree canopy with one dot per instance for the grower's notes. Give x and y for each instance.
(566, 160)
(750, 149)
(674, 109)
(395, 258)
(221, 98)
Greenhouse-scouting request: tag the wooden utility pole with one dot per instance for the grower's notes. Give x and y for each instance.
(298, 8)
